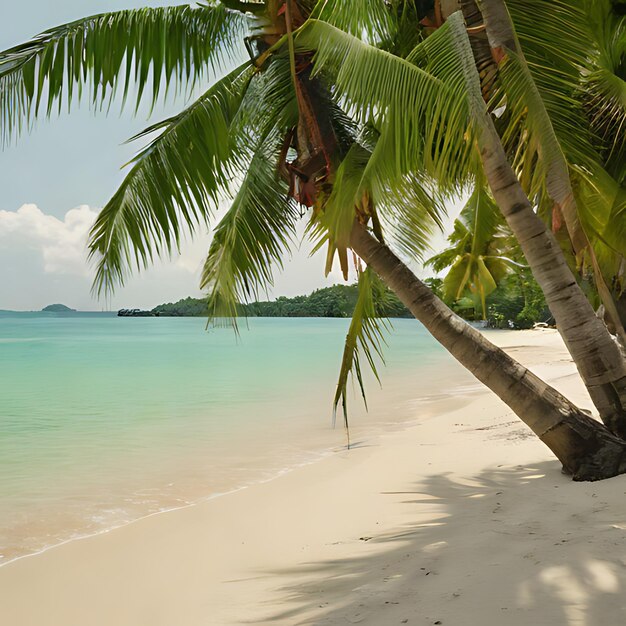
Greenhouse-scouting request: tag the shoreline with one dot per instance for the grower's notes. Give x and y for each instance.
(368, 435)
(460, 518)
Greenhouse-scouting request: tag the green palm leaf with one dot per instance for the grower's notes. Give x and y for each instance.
(145, 48)
(365, 339)
(422, 118)
(605, 84)
(482, 219)
(543, 153)
(173, 182)
(555, 62)
(408, 210)
(252, 237)
(269, 104)
(605, 215)
(370, 19)
(477, 254)
(337, 218)
(607, 108)
(410, 213)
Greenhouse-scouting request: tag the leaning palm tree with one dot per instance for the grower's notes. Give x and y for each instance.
(293, 129)
(534, 88)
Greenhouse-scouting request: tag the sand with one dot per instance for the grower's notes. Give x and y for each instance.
(462, 519)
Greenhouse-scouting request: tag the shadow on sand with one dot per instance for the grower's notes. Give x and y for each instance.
(515, 546)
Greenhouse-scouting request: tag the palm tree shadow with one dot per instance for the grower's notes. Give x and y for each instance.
(515, 546)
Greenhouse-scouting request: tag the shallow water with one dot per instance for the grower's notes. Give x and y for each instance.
(104, 419)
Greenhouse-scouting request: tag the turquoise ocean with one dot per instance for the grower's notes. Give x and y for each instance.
(104, 420)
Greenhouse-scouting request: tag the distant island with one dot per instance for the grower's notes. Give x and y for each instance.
(58, 308)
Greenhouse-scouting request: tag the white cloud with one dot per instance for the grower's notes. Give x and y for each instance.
(62, 243)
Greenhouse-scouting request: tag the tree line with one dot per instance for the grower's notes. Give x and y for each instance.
(516, 303)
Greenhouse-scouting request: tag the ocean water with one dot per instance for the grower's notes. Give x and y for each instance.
(104, 420)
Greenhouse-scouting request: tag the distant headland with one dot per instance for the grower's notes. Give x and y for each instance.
(58, 308)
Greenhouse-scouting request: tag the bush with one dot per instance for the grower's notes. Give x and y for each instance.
(518, 302)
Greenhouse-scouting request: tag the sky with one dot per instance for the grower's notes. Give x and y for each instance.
(55, 179)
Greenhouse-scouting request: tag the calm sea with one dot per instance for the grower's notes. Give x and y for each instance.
(104, 419)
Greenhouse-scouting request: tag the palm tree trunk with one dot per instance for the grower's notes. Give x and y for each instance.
(597, 356)
(594, 351)
(585, 447)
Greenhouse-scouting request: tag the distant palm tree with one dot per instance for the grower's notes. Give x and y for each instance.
(477, 257)
(318, 120)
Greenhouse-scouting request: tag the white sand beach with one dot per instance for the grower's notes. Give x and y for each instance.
(462, 519)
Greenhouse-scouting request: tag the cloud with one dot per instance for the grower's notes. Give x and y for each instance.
(43, 259)
(61, 243)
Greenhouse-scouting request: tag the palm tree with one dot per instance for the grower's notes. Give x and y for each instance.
(536, 117)
(478, 253)
(274, 131)
(599, 360)
(503, 77)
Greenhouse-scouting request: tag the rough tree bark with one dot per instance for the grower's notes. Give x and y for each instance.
(586, 448)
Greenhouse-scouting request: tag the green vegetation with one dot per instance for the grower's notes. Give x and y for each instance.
(517, 302)
(487, 275)
(335, 301)
(187, 307)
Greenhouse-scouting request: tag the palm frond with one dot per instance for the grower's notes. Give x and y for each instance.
(174, 182)
(408, 210)
(406, 34)
(337, 218)
(476, 255)
(411, 212)
(604, 87)
(422, 118)
(365, 340)
(543, 152)
(252, 237)
(144, 48)
(607, 109)
(460, 240)
(269, 103)
(556, 64)
(604, 216)
(456, 279)
(366, 19)
(482, 218)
